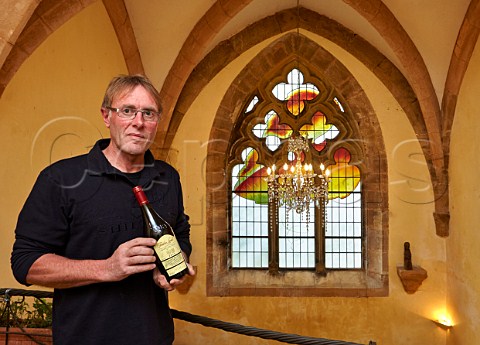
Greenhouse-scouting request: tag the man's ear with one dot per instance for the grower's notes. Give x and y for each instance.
(106, 116)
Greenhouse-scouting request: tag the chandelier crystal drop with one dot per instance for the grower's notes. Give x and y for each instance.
(296, 186)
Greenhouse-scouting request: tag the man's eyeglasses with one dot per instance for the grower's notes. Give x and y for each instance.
(130, 113)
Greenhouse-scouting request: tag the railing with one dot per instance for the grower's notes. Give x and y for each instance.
(8, 314)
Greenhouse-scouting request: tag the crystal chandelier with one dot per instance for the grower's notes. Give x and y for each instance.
(295, 186)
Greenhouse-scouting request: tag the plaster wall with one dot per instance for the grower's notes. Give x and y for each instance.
(463, 254)
(398, 319)
(51, 111)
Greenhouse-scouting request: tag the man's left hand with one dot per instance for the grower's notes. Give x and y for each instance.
(161, 280)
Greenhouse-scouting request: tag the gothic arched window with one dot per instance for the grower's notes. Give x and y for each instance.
(295, 103)
(255, 248)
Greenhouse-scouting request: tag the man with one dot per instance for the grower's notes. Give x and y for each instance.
(80, 230)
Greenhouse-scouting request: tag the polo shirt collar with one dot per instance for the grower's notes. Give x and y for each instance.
(98, 164)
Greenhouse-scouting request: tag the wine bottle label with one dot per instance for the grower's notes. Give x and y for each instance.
(170, 254)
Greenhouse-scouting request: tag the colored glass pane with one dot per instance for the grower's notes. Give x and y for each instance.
(295, 233)
(344, 178)
(272, 129)
(319, 131)
(250, 182)
(296, 100)
(295, 92)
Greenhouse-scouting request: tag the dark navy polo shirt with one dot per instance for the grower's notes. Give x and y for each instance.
(84, 208)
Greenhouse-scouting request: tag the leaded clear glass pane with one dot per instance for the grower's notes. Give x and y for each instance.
(249, 234)
(296, 238)
(343, 242)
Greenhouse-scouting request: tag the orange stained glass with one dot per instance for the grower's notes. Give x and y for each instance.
(251, 183)
(295, 92)
(318, 131)
(296, 99)
(272, 126)
(344, 178)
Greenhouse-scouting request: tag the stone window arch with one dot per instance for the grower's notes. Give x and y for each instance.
(366, 151)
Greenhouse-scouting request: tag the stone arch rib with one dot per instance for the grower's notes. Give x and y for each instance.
(50, 15)
(17, 15)
(287, 20)
(466, 41)
(383, 20)
(123, 28)
(189, 56)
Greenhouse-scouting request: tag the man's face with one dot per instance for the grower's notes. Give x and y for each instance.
(131, 137)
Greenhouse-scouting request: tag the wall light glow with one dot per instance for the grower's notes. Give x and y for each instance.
(444, 322)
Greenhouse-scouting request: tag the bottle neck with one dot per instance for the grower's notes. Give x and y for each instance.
(140, 195)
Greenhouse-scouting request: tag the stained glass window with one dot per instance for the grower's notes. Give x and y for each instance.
(267, 236)
(249, 213)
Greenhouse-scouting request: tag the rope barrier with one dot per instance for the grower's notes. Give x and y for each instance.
(26, 293)
(256, 332)
(208, 322)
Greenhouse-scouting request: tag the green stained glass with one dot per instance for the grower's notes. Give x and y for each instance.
(272, 130)
(250, 178)
(319, 131)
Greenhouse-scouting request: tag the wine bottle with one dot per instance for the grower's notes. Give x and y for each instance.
(170, 260)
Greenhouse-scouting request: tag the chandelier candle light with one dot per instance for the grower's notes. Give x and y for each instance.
(295, 186)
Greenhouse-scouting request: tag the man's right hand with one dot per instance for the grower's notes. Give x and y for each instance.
(131, 257)
(59, 272)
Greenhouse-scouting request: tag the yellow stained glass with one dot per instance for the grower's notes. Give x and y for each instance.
(318, 131)
(344, 178)
(251, 183)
